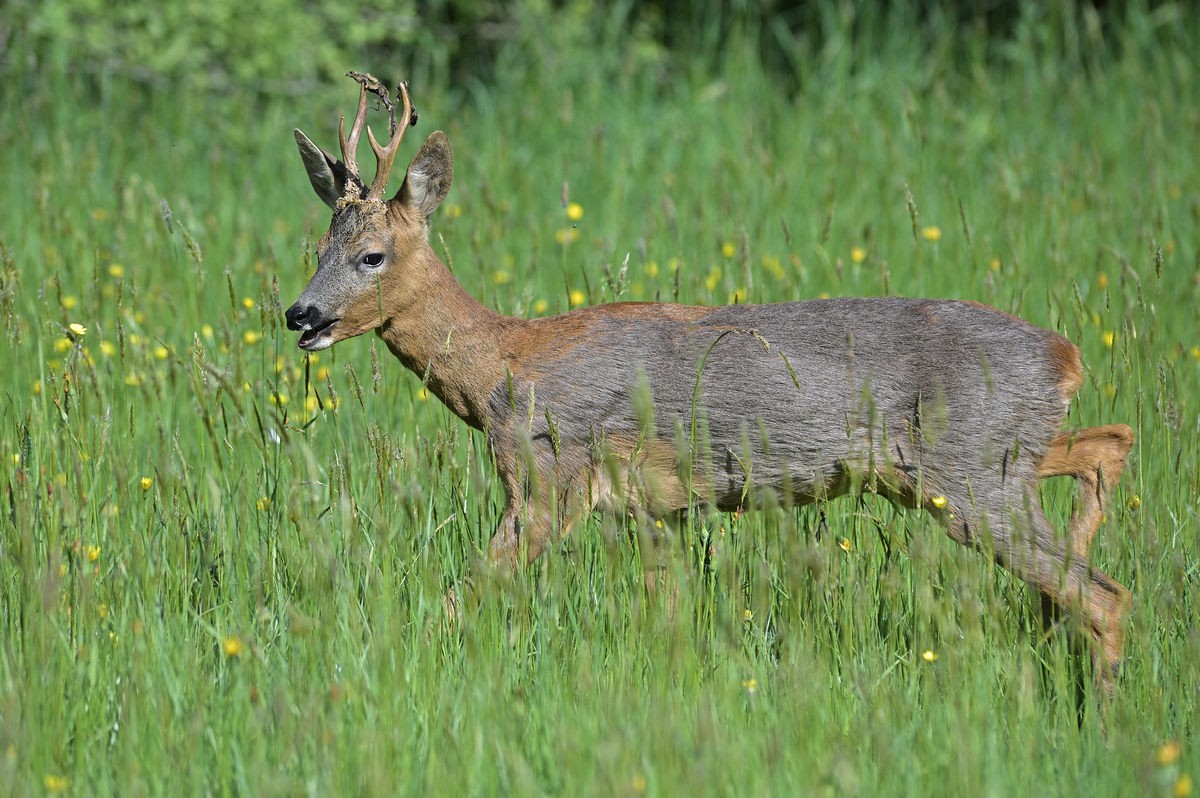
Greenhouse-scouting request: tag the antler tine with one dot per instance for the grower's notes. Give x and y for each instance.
(387, 154)
(350, 145)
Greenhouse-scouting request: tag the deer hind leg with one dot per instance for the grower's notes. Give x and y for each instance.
(1095, 456)
(1024, 542)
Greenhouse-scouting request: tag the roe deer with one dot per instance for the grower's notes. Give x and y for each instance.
(651, 409)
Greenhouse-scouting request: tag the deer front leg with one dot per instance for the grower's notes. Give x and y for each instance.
(533, 519)
(520, 538)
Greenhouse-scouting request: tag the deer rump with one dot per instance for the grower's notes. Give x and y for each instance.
(918, 398)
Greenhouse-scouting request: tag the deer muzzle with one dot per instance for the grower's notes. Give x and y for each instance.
(314, 327)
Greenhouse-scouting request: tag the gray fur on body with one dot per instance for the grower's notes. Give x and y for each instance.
(799, 398)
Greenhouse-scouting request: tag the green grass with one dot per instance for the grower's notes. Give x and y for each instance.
(204, 588)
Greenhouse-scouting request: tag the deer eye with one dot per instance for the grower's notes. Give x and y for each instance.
(373, 259)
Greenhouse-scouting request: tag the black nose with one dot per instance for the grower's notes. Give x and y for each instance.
(300, 317)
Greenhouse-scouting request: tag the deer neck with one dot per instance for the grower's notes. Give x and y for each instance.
(450, 340)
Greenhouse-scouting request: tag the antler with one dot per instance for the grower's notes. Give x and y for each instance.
(386, 154)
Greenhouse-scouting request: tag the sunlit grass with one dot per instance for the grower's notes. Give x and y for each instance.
(222, 562)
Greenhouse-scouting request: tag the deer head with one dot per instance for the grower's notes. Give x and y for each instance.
(371, 261)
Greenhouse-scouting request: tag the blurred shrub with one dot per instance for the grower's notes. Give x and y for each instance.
(293, 46)
(212, 44)
(280, 45)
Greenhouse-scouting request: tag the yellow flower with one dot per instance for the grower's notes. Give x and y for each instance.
(62, 345)
(116, 270)
(133, 380)
(251, 337)
(638, 783)
(77, 328)
(938, 501)
(146, 483)
(728, 250)
(54, 783)
(1135, 501)
(207, 331)
(844, 545)
(161, 352)
(577, 297)
(278, 399)
(37, 387)
(929, 656)
(322, 373)
(931, 233)
(310, 404)
(574, 211)
(102, 610)
(452, 211)
(994, 264)
(108, 348)
(93, 553)
(423, 394)
(70, 302)
(652, 269)
(713, 279)
(750, 685)
(232, 646)
(1102, 281)
(500, 277)
(247, 302)
(858, 254)
(263, 503)
(1183, 786)
(566, 235)
(748, 615)
(1110, 338)
(1169, 752)
(540, 306)
(1196, 353)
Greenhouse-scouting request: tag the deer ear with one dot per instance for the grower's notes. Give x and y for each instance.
(429, 175)
(327, 174)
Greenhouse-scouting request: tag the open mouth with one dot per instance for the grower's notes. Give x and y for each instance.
(317, 337)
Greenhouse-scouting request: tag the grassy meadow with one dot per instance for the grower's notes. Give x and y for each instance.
(222, 562)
